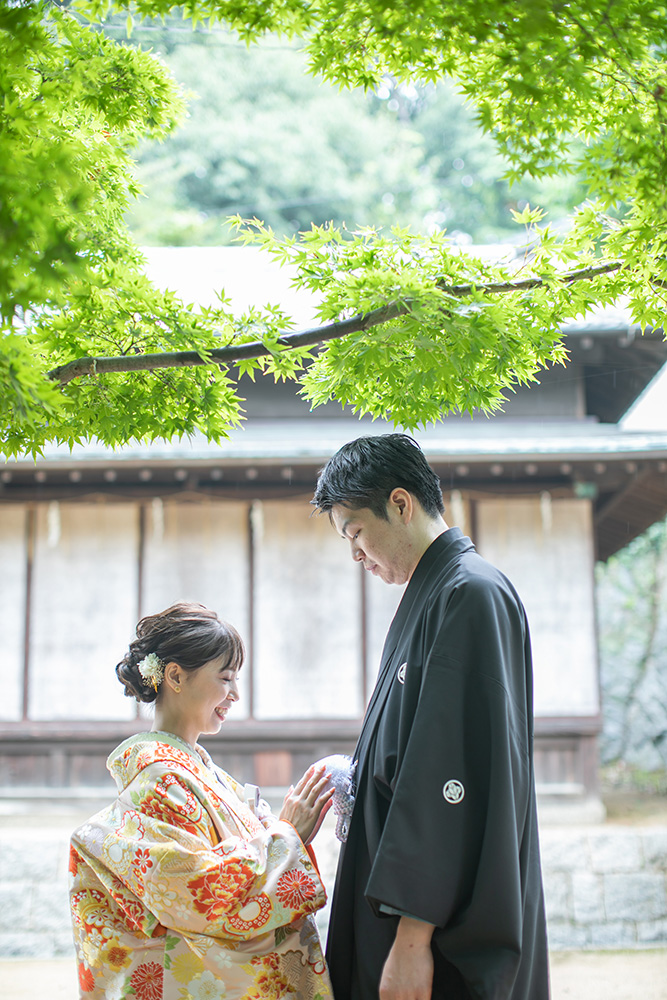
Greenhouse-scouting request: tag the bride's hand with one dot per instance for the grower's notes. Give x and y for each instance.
(306, 805)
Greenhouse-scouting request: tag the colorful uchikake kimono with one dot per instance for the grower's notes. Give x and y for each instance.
(187, 888)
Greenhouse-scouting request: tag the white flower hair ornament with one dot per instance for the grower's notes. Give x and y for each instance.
(151, 669)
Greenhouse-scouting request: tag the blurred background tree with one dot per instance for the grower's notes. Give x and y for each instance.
(265, 139)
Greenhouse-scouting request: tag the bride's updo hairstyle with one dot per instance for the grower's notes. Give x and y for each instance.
(188, 634)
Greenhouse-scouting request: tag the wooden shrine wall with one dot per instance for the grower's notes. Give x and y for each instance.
(77, 575)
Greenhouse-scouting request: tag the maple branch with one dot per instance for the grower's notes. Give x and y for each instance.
(222, 355)
(584, 274)
(303, 338)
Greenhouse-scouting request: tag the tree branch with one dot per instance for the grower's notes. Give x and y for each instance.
(584, 274)
(303, 338)
(223, 355)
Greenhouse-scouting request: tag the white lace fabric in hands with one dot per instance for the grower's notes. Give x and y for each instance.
(342, 769)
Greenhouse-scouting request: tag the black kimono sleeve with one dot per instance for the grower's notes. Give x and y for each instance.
(453, 849)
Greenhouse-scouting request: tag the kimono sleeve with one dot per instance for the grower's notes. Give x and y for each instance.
(165, 849)
(450, 851)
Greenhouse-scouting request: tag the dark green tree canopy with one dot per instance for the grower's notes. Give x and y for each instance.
(411, 328)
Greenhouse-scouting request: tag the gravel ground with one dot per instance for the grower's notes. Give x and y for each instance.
(609, 975)
(601, 975)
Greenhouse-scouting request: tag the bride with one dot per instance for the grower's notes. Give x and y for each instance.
(186, 887)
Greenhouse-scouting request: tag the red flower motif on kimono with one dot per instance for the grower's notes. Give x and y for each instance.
(142, 861)
(217, 891)
(173, 802)
(117, 887)
(295, 888)
(146, 981)
(86, 979)
(134, 914)
(172, 755)
(144, 758)
(270, 961)
(74, 859)
(256, 912)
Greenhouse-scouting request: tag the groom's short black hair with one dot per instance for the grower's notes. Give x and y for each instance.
(364, 472)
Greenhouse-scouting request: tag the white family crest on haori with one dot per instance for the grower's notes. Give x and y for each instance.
(453, 791)
(401, 673)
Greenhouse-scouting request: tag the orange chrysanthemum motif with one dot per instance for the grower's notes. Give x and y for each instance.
(217, 891)
(295, 888)
(156, 808)
(146, 981)
(117, 956)
(117, 887)
(144, 758)
(86, 979)
(129, 912)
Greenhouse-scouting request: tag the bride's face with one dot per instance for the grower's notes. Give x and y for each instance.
(207, 694)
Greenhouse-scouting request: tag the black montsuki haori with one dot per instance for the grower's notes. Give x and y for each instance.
(444, 826)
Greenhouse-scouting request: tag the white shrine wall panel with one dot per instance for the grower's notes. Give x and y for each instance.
(382, 600)
(458, 511)
(199, 552)
(308, 616)
(13, 562)
(84, 607)
(545, 548)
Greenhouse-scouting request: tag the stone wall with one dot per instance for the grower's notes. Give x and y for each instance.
(606, 886)
(34, 905)
(631, 595)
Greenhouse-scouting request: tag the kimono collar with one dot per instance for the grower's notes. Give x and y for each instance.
(440, 552)
(446, 546)
(138, 752)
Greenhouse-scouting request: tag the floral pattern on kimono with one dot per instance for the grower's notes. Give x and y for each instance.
(187, 888)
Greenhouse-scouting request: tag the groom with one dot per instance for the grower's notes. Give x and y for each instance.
(439, 890)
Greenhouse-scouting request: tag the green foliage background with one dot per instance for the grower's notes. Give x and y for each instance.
(577, 88)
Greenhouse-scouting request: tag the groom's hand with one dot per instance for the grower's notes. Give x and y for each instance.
(408, 971)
